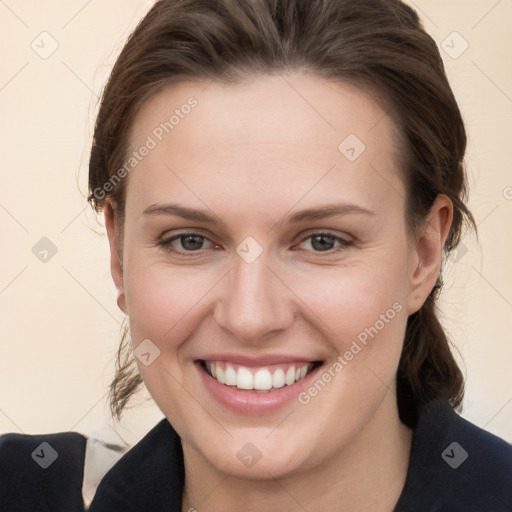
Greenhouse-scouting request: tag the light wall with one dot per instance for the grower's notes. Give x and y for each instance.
(60, 323)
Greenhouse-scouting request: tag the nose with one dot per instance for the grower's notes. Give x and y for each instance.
(255, 304)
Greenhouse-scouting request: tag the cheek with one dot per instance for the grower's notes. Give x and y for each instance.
(163, 302)
(164, 306)
(353, 297)
(362, 314)
(168, 304)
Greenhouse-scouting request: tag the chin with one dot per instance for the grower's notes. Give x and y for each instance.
(258, 457)
(269, 466)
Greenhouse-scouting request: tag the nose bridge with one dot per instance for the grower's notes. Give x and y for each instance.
(254, 302)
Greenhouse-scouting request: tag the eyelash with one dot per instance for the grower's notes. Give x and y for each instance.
(166, 243)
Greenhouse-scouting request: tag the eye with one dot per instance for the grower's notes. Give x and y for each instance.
(190, 242)
(324, 241)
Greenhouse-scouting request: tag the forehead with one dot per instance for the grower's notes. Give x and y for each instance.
(283, 136)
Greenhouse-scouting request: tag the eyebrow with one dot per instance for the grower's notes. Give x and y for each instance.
(309, 214)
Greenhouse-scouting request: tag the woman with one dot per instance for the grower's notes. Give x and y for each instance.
(281, 181)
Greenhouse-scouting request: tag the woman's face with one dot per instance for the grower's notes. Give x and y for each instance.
(299, 255)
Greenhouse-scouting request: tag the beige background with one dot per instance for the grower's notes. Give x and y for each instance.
(59, 319)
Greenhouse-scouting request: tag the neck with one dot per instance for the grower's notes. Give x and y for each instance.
(369, 474)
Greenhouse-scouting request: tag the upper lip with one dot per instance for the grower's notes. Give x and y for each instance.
(258, 361)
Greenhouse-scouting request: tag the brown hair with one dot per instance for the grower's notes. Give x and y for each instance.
(379, 45)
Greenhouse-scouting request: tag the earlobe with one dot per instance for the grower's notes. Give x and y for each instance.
(428, 252)
(116, 264)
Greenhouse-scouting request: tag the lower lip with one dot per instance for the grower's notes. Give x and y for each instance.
(252, 402)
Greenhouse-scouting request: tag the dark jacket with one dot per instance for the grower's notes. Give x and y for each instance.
(455, 466)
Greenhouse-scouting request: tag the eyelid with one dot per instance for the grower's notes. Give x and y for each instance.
(346, 241)
(329, 232)
(302, 235)
(166, 240)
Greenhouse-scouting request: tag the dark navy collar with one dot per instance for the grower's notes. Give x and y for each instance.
(454, 466)
(149, 477)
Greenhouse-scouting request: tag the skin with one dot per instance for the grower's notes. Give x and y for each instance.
(251, 154)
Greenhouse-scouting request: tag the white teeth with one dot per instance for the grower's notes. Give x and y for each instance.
(262, 380)
(230, 376)
(278, 379)
(290, 376)
(244, 378)
(220, 375)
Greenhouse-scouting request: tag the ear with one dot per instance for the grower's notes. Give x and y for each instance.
(116, 264)
(427, 252)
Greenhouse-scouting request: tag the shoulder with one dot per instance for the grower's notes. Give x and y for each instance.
(42, 472)
(149, 476)
(486, 450)
(456, 465)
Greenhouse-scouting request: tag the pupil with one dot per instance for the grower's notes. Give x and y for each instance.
(322, 245)
(195, 245)
(325, 242)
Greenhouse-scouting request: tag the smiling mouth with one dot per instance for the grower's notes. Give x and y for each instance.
(260, 380)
